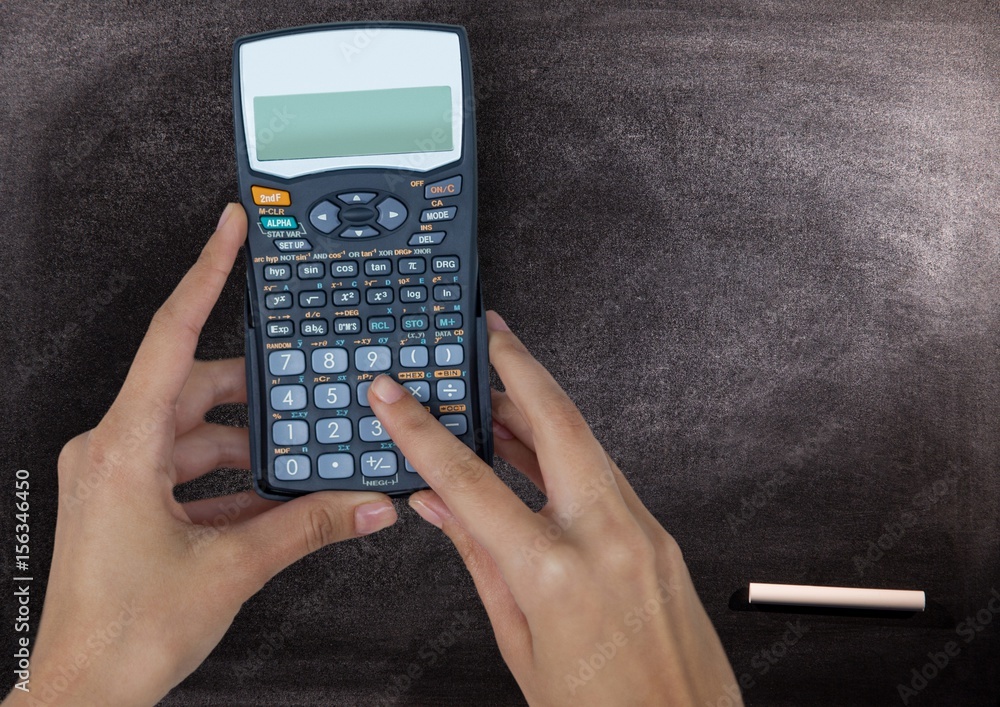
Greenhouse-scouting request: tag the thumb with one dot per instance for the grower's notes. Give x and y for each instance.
(268, 543)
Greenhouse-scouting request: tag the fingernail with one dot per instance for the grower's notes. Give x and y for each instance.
(226, 213)
(501, 431)
(431, 508)
(386, 389)
(494, 322)
(372, 517)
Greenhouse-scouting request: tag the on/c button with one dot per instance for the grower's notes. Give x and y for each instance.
(266, 196)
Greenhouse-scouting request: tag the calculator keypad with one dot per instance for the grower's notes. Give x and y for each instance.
(343, 310)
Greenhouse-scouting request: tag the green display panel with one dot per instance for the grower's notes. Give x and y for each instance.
(353, 123)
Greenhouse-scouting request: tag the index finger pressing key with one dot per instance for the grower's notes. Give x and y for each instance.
(166, 355)
(484, 505)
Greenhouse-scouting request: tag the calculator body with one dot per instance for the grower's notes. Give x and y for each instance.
(357, 170)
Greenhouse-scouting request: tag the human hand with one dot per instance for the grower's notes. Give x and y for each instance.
(589, 598)
(142, 587)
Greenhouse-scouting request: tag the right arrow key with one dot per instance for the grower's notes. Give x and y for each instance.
(391, 213)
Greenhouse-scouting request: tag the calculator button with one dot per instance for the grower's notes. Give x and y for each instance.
(329, 360)
(372, 358)
(356, 197)
(313, 327)
(311, 271)
(286, 363)
(278, 300)
(391, 214)
(431, 238)
(415, 322)
(312, 299)
(293, 245)
(343, 268)
(346, 297)
(378, 463)
(413, 294)
(363, 394)
(277, 272)
(448, 320)
(280, 330)
(381, 325)
(448, 355)
(333, 430)
(445, 263)
(266, 196)
(286, 433)
(351, 325)
(412, 266)
(379, 295)
(456, 424)
(291, 467)
(325, 216)
(358, 232)
(335, 466)
(328, 396)
(447, 293)
(288, 397)
(378, 267)
(448, 390)
(370, 430)
(421, 390)
(408, 466)
(446, 213)
(279, 223)
(413, 356)
(445, 188)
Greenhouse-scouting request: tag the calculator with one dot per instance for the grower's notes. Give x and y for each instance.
(356, 154)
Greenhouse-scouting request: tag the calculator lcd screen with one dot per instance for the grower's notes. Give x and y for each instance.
(385, 121)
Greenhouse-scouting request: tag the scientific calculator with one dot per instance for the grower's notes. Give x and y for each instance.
(357, 169)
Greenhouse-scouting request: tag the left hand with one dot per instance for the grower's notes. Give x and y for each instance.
(142, 587)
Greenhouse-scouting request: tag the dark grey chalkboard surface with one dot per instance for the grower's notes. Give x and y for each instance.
(757, 242)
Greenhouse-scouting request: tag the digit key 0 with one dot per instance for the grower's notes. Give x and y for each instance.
(353, 271)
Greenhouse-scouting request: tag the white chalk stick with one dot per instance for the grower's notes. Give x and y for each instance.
(837, 597)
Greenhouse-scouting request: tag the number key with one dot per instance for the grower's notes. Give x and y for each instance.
(288, 397)
(286, 363)
(332, 395)
(329, 360)
(333, 430)
(370, 430)
(372, 358)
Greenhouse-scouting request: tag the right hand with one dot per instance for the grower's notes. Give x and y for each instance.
(589, 598)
